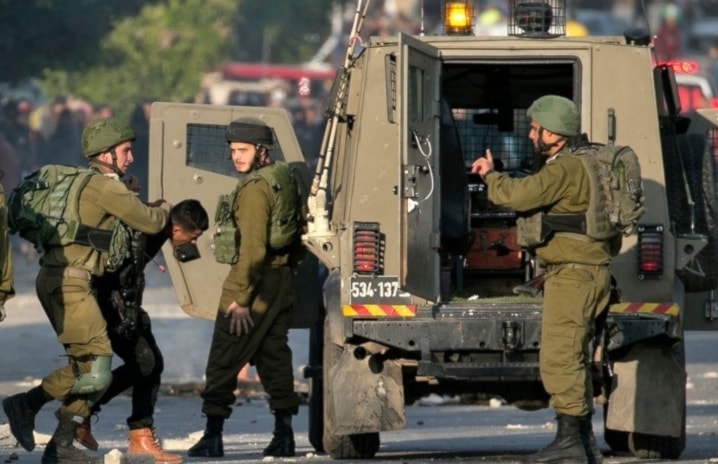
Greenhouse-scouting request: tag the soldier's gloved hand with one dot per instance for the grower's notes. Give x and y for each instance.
(240, 319)
(2, 313)
(133, 184)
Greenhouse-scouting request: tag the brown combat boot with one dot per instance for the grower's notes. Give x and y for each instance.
(143, 441)
(83, 435)
(60, 450)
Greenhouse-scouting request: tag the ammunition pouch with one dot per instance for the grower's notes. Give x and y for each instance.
(226, 245)
(225, 240)
(535, 229)
(531, 230)
(119, 249)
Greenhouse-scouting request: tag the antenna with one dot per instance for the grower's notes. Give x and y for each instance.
(421, 12)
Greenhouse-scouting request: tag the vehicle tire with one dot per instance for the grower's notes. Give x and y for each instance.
(316, 387)
(356, 446)
(697, 161)
(645, 446)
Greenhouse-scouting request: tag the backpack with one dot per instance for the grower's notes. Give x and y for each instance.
(44, 209)
(287, 222)
(616, 201)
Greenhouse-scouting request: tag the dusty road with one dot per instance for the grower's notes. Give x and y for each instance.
(438, 430)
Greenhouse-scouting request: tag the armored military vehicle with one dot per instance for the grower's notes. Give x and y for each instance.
(409, 287)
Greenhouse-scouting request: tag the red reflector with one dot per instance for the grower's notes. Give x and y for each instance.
(367, 248)
(365, 266)
(650, 251)
(650, 266)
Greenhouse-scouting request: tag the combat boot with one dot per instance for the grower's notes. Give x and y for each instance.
(282, 444)
(21, 410)
(566, 448)
(60, 450)
(588, 440)
(83, 433)
(143, 442)
(210, 445)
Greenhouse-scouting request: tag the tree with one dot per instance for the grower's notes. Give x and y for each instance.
(40, 34)
(159, 54)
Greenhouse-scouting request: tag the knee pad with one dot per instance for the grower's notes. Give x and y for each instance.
(95, 381)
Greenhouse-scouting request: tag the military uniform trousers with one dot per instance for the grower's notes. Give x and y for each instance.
(574, 295)
(142, 368)
(65, 295)
(267, 345)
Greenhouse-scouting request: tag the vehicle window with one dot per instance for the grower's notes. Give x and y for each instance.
(416, 91)
(207, 149)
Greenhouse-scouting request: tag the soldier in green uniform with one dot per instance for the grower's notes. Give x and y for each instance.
(6, 274)
(255, 305)
(577, 285)
(65, 291)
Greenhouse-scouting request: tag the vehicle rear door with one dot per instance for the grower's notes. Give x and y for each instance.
(418, 106)
(189, 158)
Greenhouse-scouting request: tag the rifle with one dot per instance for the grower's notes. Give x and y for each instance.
(127, 299)
(336, 112)
(531, 288)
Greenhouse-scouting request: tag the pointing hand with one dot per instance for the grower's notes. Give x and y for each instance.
(483, 165)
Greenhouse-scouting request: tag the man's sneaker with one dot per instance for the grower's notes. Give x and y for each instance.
(21, 419)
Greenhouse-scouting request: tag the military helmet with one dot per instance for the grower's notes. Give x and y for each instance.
(102, 134)
(557, 114)
(249, 130)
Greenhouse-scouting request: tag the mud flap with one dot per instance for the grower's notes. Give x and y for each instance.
(368, 395)
(648, 392)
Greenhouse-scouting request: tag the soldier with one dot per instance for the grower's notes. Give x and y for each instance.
(66, 294)
(6, 274)
(577, 285)
(255, 305)
(119, 294)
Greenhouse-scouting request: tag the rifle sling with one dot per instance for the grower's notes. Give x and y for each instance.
(98, 239)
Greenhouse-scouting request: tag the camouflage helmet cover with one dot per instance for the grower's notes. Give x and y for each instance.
(102, 134)
(557, 114)
(249, 130)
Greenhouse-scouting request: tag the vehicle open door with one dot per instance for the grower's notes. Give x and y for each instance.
(189, 158)
(419, 106)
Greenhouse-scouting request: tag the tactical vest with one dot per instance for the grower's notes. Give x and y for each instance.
(44, 209)
(285, 217)
(616, 200)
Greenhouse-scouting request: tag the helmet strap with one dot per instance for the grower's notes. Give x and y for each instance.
(546, 147)
(116, 168)
(112, 167)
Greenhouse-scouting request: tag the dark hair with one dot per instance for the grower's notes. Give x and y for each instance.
(189, 215)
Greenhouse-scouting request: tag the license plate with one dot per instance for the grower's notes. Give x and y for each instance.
(379, 289)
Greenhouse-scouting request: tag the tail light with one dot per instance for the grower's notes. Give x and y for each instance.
(650, 251)
(367, 248)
